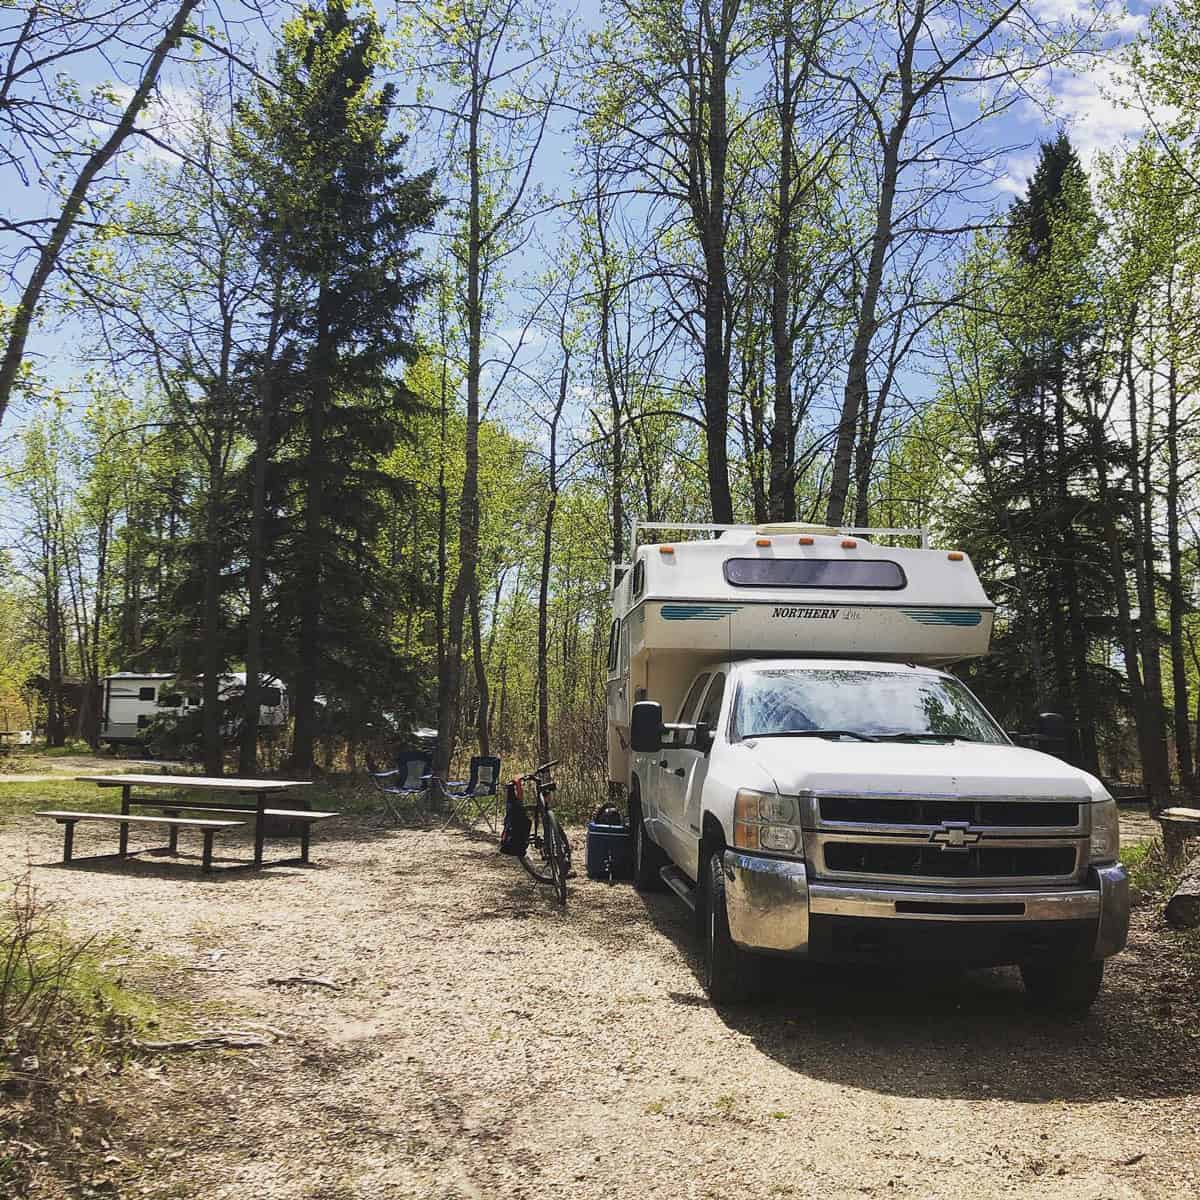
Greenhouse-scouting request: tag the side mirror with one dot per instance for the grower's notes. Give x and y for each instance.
(1051, 727)
(646, 727)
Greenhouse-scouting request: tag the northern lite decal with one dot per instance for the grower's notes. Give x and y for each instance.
(698, 612)
(944, 616)
(793, 612)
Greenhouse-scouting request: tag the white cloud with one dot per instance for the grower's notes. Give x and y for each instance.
(1099, 109)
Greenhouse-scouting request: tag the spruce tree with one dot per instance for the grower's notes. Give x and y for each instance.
(336, 213)
(1036, 527)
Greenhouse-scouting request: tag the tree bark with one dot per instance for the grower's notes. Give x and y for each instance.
(309, 651)
(256, 571)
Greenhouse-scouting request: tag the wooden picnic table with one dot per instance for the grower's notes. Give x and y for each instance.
(259, 789)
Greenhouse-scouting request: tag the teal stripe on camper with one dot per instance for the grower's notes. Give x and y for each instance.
(944, 616)
(698, 612)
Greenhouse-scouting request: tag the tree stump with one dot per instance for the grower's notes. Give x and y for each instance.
(1183, 909)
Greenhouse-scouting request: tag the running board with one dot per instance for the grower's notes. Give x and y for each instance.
(680, 884)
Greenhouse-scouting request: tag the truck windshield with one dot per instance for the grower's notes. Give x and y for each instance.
(871, 705)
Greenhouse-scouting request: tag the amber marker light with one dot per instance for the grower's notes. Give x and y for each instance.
(804, 540)
(666, 549)
(956, 556)
(849, 544)
(762, 541)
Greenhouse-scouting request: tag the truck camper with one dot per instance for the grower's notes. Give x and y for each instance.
(822, 788)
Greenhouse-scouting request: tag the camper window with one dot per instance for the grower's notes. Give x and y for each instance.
(174, 700)
(143, 720)
(639, 578)
(613, 645)
(146, 693)
(877, 575)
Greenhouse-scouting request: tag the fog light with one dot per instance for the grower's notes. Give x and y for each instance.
(777, 837)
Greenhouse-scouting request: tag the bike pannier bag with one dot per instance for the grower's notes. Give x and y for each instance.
(514, 839)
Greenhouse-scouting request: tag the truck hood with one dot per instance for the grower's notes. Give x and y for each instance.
(927, 769)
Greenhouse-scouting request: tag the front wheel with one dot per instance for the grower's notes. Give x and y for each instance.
(1064, 988)
(558, 852)
(731, 975)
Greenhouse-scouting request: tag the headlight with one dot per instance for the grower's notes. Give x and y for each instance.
(765, 821)
(1106, 832)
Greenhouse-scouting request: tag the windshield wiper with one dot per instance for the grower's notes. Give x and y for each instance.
(923, 736)
(825, 733)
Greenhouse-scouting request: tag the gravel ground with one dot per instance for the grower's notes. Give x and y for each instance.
(483, 1043)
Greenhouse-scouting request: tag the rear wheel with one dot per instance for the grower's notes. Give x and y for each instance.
(731, 975)
(648, 859)
(1066, 988)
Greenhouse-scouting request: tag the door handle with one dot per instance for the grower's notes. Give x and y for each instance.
(662, 762)
(680, 772)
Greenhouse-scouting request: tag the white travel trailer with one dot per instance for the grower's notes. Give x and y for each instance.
(133, 700)
(822, 789)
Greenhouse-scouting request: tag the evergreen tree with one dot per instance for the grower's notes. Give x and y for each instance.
(336, 213)
(1036, 525)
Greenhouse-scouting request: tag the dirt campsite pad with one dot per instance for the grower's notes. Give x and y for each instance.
(459, 1036)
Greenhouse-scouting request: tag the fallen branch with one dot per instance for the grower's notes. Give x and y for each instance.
(307, 979)
(230, 1039)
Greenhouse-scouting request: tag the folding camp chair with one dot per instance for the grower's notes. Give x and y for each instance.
(478, 798)
(410, 779)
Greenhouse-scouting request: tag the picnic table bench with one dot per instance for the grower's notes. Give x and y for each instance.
(228, 789)
(68, 821)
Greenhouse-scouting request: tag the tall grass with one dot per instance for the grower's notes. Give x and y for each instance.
(61, 1017)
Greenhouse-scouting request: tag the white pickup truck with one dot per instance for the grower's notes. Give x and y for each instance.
(823, 790)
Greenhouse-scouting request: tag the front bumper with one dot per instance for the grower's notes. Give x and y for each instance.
(774, 907)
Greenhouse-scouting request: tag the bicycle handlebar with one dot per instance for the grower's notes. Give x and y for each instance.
(544, 767)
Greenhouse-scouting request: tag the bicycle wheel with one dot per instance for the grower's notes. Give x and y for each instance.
(540, 869)
(559, 853)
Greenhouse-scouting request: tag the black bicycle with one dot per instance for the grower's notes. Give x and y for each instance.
(548, 855)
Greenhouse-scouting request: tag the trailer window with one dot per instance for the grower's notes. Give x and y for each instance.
(614, 635)
(174, 700)
(143, 721)
(863, 574)
(146, 693)
(639, 578)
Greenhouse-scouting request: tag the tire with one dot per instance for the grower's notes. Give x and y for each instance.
(648, 858)
(559, 855)
(1068, 989)
(731, 975)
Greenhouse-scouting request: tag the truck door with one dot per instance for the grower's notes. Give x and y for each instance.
(657, 782)
(682, 779)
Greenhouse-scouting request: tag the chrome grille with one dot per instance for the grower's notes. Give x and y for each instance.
(971, 841)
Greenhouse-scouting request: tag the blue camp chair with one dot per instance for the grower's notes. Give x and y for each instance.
(410, 780)
(476, 799)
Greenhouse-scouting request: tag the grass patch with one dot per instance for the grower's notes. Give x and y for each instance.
(1148, 870)
(1155, 882)
(65, 1021)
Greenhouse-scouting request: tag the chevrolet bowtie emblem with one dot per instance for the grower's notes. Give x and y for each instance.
(954, 836)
